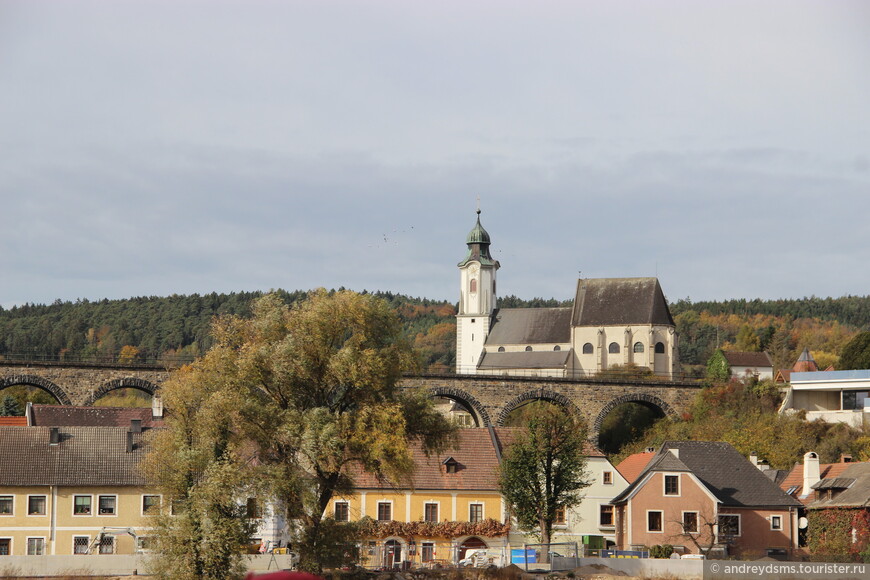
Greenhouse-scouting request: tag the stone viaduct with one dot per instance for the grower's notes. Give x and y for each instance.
(488, 398)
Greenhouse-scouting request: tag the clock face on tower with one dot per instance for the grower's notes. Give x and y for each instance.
(473, 269)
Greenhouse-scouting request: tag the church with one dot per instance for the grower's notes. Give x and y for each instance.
(613, 323)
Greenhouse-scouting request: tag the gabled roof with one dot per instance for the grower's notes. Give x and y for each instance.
(542, 359)
(747, 359)
(530, 326)
(726, 474)
(795, 479)
(84, 456)
(633, 465)
(851, 488)
(67, 415)
(615, 301)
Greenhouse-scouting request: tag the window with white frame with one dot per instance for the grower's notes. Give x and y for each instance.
(341, 511)
(5, 546)
(475, 512)
(729, 526)
(654, 521)
(151, 504)
(82, 505)
(775, 522)
(36, 505)
(7, 505)
(108, 505)
(35, 546)
(427, 551)
(385, 511)
(605, 516)
(430, 512)
(107, 545)
(672, 485)
(80, 544)
(690, 522)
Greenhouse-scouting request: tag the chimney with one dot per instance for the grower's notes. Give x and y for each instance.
(156, 407)
(54, 436)
(650, 449)
(845, 458)
(812, 472)
(753, 458)
(129, 442)
(135, 425)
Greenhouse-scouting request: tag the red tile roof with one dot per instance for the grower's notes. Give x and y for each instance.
(633, 465)
(795, 478)
(16, 421)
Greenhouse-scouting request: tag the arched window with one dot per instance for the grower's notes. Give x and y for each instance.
(557, 347)
(501, 349)
(613, 348)
(660, 348)
(587, 348)
(638, 347)
(472, 285)
(528, 348)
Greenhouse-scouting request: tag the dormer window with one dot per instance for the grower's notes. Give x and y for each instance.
(451, 465)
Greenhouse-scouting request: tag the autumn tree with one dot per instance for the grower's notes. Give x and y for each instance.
(543, 470)
(718, 368)
(311, 390)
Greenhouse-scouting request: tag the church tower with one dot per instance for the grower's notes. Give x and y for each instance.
(476, 299)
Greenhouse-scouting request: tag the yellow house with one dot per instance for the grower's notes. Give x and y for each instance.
(451, 505)
(72, 490)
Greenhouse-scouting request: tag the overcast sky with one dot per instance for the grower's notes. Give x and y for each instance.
(160, 147)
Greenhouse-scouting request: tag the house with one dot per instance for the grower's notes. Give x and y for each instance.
(832, 396)
(749, 364)
(612, 323)
(73, 490)
(453, 505)
(704, 497)
(804, 364)
(67, 415)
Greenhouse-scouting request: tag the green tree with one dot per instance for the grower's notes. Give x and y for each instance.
(543, 470)
(747, 340)
(856, 353)
(10, 407)
(718, 368)
(311, 390)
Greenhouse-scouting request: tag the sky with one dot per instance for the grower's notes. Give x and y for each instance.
(154, 147)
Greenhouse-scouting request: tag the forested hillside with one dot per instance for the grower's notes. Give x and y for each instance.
(175, 329)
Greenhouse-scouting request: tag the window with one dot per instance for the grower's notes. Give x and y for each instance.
(660, 348)
(613, 348)
(5, 546)
(528, 349)
(501, 349)
(451, 465)
(690, 522)
(560, 517)
(427, 551)
(107, 545)
(35, 546)
(605, 516)
(638, 347)
(557, 348)
(653, 521)
(587, 348)
(472, 285)
(80, 544)
(607, 477)
(475, 512)
(36, 505)
(385, 511)
(252, 509)
(145, 544)
(672, 485)
(108, 505)
(775, 522)
(6, 505)
(430, 512)
(854, 400)
(729, 526)
(150, 504)
(82, 505)
(341, 511)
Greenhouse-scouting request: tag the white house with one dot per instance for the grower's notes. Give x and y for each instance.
(832, 396)
(744, 364)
